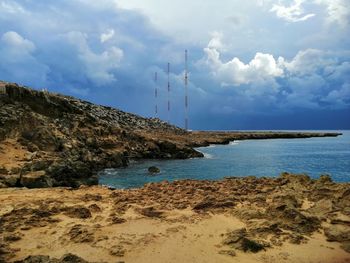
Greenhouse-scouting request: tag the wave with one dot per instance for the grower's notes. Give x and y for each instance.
(208, 156)
(234, 143)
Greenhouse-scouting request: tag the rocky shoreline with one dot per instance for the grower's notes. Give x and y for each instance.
(51, 140)
(291, 218)
(58, 143)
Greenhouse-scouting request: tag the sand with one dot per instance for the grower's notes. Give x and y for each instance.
(174, 235)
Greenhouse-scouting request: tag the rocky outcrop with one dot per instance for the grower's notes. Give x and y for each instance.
(48, 139)
(67, 258)
(66, 140)
(269, 212)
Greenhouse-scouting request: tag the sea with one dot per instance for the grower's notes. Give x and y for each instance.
(260, 158)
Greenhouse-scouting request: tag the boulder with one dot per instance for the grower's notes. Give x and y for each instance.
(337, 233)
(67, 258)
(38, 179)
(9, 180)
(239, 239)
(153, 170)
(72, 174)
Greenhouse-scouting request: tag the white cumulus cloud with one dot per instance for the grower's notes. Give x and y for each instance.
(292, 13)
(312, 79)
(261, 68)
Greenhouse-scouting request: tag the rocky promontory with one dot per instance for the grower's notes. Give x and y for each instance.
(48, 139)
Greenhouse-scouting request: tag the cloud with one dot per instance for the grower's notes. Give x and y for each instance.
(84, 49)
(97, 67)
(11, 7)
(338, 11)
(18, 62)
(261, 68)
(215, 42)
(14, 40)
(109, 50)
(107, 36)
(292, 13)
(313, 79)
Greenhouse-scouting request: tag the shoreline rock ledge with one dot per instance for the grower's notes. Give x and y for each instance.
(50, 140)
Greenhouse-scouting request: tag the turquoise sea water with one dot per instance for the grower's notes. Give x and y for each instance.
(312, 156)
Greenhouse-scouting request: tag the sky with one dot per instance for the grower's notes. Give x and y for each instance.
(257, 64)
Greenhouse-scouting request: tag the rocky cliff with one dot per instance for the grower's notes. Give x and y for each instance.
(50, 140)
(53, 140)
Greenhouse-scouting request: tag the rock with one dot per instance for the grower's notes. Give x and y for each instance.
(153, 170)
(3, 170)
(297, 239)
(92, 197)
(346, 246)
(296, 179)
(95, 208)
(325, 178)
(230, 253)
(337, 233)
(150, 212)
(251, 245)
(40, 165)
(10, 180)
(32, 147)
(71, 258)
(118, 220)
(203, 205)
(235, 236)
(12, 238)
(283, 201)
(72, 174)
(35, 259)
(80, 234)
(67, 258)
(38, 179)
(238, 239)
(322, 207)
(78, 212)
(117, 251)
(212, 203)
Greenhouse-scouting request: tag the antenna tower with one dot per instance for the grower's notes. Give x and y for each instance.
(186, 90)
(168, 92)
(156, 93)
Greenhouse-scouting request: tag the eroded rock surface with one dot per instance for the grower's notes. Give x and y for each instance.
(271, 212)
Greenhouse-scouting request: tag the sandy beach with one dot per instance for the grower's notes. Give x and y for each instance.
(233, 220)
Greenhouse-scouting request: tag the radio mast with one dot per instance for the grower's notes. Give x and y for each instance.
(168, 92)
(186, 90)
(156, 94)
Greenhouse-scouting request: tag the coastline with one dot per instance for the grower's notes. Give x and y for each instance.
(52, 140)
(53, 210)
